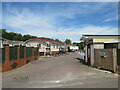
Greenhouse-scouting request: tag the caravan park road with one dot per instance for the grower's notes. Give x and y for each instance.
(58, 72)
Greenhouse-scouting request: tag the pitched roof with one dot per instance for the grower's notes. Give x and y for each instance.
(44, 39)
(6, 41)
(101, 35)
(91, 36)
(14, 42)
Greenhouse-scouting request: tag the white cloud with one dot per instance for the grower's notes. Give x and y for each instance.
(77, 32)
(111, 19)
(74, 34)
(71, 10)
(26, 19)
(45, 25)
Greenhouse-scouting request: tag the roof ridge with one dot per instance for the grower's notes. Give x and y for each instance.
(49, 40)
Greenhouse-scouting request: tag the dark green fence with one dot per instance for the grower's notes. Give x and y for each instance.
(21, 52)
(13, 53)
(36, 51)
(3, 55)
(29, 52)
(118, 57)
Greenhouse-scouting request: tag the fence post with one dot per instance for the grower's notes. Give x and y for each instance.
(114, 59)
(6, 52)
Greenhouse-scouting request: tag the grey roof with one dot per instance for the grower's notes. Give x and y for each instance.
(6, 41)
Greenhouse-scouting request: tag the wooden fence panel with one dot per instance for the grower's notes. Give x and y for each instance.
(104, 62)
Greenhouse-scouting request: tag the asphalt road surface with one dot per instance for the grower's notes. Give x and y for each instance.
(58, 72)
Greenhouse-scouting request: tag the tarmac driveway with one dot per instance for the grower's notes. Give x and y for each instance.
(58, 72)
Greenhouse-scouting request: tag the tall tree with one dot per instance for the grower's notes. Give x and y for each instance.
(68, 41)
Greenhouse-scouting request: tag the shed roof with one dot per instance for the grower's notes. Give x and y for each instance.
(100, 35)
(87, 37)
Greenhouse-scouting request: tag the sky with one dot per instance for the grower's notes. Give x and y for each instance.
(60, 20)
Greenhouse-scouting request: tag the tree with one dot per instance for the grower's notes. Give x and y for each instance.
(4, 33)
(69, 50)
(57, 40)
(26, 37)
(7, 35)
(12, 35)
(80, 45)
(18, 37)
(15, 36)
(68, 41)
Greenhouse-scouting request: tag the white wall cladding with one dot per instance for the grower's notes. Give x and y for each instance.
(99, 46)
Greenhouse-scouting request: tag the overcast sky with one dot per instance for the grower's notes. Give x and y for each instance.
(60, 19)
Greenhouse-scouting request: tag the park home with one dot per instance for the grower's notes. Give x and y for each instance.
(47, 46)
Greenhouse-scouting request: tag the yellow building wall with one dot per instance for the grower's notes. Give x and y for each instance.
(103, 40)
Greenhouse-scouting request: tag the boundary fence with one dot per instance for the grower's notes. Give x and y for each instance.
(16, 56)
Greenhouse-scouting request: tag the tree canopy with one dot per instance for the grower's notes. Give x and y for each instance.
(18, 36)
(80, 45)
(68, 41)
(15, 36)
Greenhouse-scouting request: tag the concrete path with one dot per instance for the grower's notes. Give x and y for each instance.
(58, 72)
